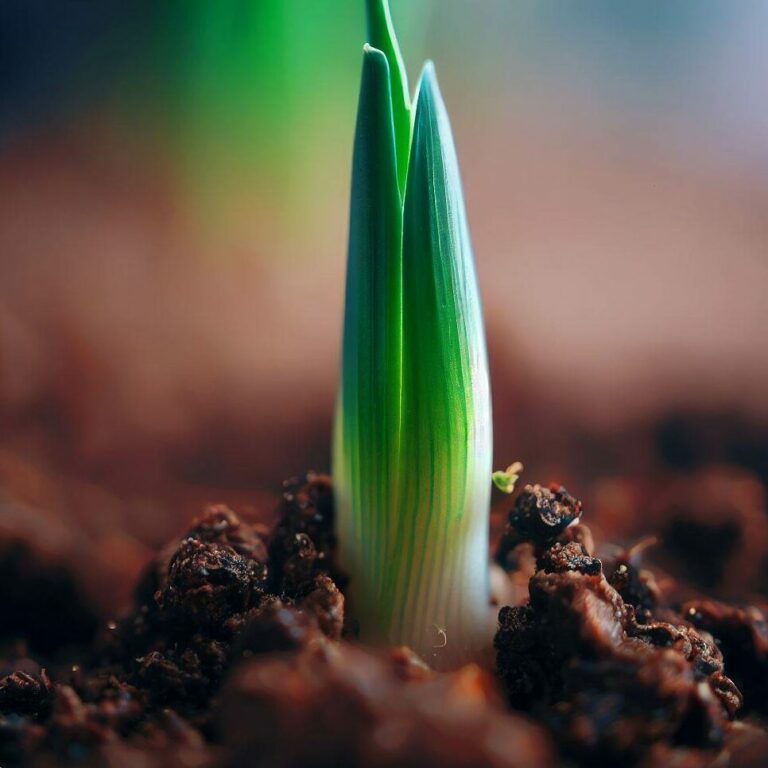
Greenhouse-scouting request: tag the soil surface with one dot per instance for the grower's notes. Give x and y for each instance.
(236, 654)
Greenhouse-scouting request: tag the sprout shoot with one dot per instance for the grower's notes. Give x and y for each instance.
(506, 479)
(412, 443)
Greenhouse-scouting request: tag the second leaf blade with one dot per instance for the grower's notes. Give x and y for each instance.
(446, 420)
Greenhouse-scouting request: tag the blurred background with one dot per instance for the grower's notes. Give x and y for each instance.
(173, 218)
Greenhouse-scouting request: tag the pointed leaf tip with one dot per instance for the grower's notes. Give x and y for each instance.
(370, 52)
(428, 73)
(428, 89)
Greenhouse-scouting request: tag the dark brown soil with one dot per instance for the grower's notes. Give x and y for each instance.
(234, 655)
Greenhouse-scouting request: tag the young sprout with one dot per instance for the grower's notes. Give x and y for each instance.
(412, 442)
(506, 479)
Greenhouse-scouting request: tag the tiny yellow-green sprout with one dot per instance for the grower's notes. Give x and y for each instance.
(506, 479)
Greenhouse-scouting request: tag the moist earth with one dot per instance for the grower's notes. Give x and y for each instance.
(236, 654)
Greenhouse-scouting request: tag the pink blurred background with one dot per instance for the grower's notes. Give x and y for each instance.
(173, 220)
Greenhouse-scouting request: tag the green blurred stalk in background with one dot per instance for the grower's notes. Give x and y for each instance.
(412, 444)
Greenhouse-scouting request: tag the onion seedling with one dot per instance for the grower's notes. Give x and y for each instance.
(412, 442)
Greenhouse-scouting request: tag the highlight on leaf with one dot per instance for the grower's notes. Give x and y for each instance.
(412, 442)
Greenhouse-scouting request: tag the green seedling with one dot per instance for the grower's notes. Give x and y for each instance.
(412, 442)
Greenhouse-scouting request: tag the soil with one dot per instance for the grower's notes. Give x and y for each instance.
(235, 652)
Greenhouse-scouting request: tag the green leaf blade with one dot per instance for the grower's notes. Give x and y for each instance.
(367, 430)
(446, 430)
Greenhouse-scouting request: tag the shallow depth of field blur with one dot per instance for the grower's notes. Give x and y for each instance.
(173, 217)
